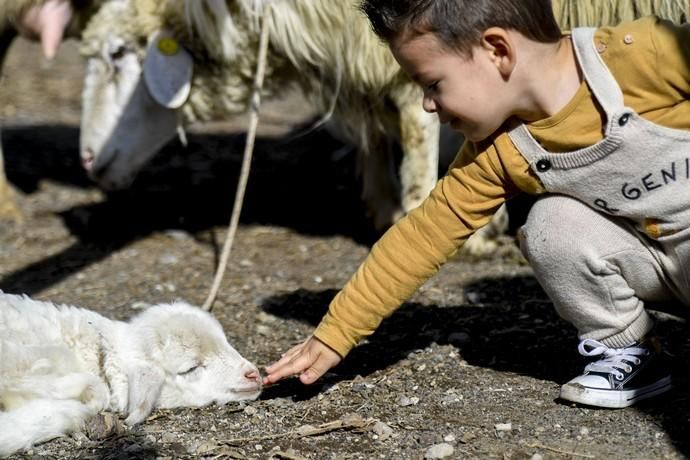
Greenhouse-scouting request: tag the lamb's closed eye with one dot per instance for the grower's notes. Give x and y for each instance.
(191, 369)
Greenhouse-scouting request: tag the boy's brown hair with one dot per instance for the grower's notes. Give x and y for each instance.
(459, 24)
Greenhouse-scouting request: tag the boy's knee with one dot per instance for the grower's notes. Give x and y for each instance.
(551, 229)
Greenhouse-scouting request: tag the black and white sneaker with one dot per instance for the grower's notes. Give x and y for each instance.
(621, 377)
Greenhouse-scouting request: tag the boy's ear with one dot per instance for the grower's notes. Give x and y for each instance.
(501, 47)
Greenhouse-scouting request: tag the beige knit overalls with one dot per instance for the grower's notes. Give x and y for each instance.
(614, 230)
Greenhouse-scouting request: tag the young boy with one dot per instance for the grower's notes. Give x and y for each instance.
(596, 123)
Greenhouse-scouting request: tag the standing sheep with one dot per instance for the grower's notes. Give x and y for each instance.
(141, 85)
(47, 20)
(155, 64)
(61, 365)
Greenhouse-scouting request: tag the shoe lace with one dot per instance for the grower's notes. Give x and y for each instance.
(614, 360)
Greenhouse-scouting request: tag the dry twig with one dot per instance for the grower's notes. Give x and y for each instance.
(558, 451)
(350, 422)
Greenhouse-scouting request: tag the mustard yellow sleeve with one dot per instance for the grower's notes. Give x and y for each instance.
(415, 247)
(672, 45)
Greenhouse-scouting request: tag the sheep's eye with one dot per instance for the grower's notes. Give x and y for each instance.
(190, 370)
(118, 53)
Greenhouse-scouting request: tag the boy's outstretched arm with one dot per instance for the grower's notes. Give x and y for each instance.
(310, 359)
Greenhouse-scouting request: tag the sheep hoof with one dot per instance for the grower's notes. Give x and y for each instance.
(9, 211)
(103, 426)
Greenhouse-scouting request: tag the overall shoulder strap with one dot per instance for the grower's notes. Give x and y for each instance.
(600, 80)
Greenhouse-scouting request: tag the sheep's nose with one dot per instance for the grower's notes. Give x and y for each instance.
(87, 158)
(253, 375)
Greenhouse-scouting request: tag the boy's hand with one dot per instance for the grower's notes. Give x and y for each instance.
(310, 359)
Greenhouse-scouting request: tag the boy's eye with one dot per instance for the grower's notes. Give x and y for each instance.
(433, 86)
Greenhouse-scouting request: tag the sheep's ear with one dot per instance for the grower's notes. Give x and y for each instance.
(145, 383)
(168, 70)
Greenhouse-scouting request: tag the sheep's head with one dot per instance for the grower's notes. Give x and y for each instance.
(127, 118)
(188, 352)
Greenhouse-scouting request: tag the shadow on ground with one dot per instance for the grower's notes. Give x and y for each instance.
(512, 328)
(305, 181)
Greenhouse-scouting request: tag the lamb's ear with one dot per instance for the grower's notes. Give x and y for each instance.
(145, 383)
(168, 70)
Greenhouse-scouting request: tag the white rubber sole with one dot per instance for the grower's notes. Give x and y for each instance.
(612, 399)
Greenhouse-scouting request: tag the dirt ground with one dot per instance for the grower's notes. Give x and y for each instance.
(470, 367)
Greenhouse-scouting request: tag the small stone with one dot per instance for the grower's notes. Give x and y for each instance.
(251, 410)
(584, 431)
(168, 259)
(404, 401)
(536, 457)
(168, 438)
(382, 430)
(503, 426)
(177, 234)
(103, 425)
(449, 438)
(442, 450)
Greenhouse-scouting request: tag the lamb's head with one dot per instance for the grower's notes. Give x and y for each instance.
(189, 350)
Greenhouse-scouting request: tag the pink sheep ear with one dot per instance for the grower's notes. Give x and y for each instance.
(168, 70)
(47, 22)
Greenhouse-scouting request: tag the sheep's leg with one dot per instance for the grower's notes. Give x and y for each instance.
(484, 241)
(380, 188)
(8, 205)
(419, 139)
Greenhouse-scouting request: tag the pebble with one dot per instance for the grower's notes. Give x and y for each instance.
(382, 430)
(405, 401)
(177, 234)
(503, 426)
(251, 410)
(168, 259)
(168, 438)
(442, 450)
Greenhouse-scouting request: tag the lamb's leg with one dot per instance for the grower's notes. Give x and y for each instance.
(83, 387)
(419, 139)
(39, 421)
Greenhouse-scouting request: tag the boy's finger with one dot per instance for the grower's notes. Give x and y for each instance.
(285, 359)
(282, 370)
(312, 374)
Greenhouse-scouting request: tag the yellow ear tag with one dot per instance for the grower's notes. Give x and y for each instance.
(168, 46)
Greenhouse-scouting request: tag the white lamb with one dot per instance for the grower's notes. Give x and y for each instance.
(61, 365)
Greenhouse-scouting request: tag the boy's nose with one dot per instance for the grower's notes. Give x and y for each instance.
(428, 105)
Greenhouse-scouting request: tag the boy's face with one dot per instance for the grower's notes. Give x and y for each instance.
(465, 92)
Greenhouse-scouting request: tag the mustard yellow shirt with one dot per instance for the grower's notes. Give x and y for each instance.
(650, 59)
